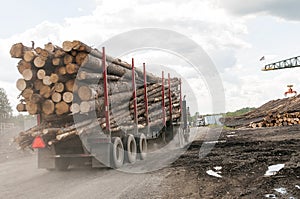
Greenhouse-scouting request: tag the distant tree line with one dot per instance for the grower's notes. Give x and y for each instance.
(239, 112)
(5, 107)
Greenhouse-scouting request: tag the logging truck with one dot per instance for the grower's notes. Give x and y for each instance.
(150, 109)
(110, 150)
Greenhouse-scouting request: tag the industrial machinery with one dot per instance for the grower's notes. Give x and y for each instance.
(284, 64)
(290, 91)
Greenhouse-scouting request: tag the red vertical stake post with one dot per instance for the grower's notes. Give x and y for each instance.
(106, 101)
(163, 98)
(180, 97)
(170, 97)
(38, 119)
(134, 94)
(145, 95)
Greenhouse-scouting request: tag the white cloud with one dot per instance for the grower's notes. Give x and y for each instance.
(219, 33)
(287, 9)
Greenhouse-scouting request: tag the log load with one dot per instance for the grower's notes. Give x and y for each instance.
(280, 112)
(60, 83)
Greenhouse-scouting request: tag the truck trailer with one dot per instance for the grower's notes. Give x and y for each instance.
(111, 114)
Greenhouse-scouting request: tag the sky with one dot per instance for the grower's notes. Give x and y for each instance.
(232, 34)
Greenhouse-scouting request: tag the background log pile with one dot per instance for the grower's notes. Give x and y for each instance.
(280, 112)
(61, 82)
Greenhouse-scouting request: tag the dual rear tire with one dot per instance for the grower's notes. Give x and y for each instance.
(128, 150)
(117, 153)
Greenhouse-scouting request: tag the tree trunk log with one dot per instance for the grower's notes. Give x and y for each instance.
(22, 84)
(68, 97)
(21, 107)
(69, 85)
(59, 87)
(22, 65)
(48, 107)
(18, 50)
(61, 108)
(56, 97)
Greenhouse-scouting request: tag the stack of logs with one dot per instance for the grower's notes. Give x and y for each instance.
(59, 83)
(278, 120)
(275, 113)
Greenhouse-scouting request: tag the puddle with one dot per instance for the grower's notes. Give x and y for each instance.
(229, 136)
(281, 190)
(213, 173)
(270, 196)
(217, 168)
(273, 169)
(214, 142)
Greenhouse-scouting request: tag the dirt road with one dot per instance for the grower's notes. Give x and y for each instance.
(237, 165)
(235, 168)
(20, 178)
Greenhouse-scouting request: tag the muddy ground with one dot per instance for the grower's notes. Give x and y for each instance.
(244, 157)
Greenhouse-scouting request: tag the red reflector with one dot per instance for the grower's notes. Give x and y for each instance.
(38, 142)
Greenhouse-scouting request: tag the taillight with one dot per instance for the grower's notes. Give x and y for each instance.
(38, 142)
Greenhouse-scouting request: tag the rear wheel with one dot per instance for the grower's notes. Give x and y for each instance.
(142, 146)
(130, 148)
(187, 136)
(117, 152)
(180, 138)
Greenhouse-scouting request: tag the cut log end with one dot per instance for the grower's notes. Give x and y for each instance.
(67, 46)
(69, 85)
(21, 84)
(39, 62)
(85, 93)
(75, 108)
(47, 80)
(27, 74)
(28, 56)
(27, 93)
(68, 97)
(87, 106)
(61, 108)
(17, 50)
(48, 107)
(54, 78)
(56, 97)
(21, 107)
(41, 73)
(72, 68)
(32, 108)
(59, 87)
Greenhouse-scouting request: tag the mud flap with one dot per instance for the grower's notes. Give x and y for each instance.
(101, 154)
(169, 133)
(46, 158)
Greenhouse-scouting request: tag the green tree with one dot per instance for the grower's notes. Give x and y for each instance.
(5, 108)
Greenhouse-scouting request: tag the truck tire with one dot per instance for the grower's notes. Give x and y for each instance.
(180, 138)
(117, 152)
(187, 136)
(142, 146)
(62, 164)
(130, 148)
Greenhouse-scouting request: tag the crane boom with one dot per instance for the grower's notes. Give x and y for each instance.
(287, 63)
